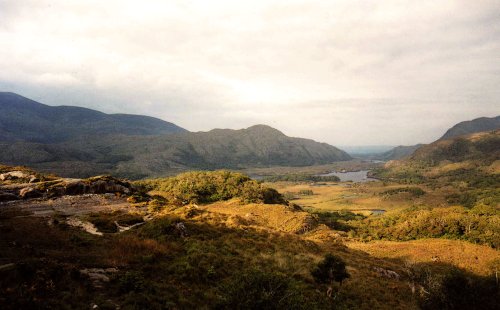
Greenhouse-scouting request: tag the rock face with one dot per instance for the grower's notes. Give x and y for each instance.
(57, 187)
(29, 192)
(14, 175)
(96, 185)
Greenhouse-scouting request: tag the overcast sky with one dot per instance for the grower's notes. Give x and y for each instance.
(343, 72)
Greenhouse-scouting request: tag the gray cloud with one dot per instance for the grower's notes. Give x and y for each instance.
(343, 72)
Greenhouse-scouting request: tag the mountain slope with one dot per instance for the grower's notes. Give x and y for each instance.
(463, 128)
(399, 152)
(22, 119)
(74, 141)
(473, 126)
(464, 163)
(481, 147)
(141, 156)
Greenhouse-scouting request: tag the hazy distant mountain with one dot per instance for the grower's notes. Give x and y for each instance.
(473, 126)
(399, 152)
(22, 119)
(73, 141)
(365, 150)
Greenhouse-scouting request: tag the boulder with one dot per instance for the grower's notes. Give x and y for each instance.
(55, 191)
(76, 188)
(108, 186)
(14, 175)
(29, 192)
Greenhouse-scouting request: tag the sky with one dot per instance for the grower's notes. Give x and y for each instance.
(344, 72)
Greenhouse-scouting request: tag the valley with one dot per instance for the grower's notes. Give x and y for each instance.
(150, 216)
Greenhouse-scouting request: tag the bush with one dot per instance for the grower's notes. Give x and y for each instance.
(211, 186)
(260, 290)
(454, 289)
(479, 224)
(414, 191)
(330, 269)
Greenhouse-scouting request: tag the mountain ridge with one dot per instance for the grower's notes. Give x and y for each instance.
(23, 119)
(138, 154)
(481, 124)
(472, 126)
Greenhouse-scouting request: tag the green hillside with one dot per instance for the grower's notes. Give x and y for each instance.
(473, 126)
(78, 142)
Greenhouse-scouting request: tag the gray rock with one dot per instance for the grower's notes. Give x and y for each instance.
(29, 192)
(13, 175)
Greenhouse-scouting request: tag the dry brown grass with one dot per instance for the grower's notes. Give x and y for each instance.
(360, 197)
(274, 217)
(129, 248)
(474, 258)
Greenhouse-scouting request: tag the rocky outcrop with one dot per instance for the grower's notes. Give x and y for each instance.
(31, 187)
(30, 192)
(96, 185)
(12, 175)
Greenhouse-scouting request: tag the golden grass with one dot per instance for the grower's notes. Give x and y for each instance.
(493, 168)
(360, 197)
(275, 217)
(477, 259)
(445, 167)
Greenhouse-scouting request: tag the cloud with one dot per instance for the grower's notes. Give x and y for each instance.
(343, 72)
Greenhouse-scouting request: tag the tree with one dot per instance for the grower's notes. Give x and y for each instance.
(330, 269)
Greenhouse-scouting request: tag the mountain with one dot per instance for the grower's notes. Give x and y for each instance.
(22, 119)
(399, 152)
(480, 147)
(463, 128)
(469, 162)
(78, 142)
(141, 156)
(473, 126)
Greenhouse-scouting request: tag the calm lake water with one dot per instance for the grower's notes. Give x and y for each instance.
(354, 176)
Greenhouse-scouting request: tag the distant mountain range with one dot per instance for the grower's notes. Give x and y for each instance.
(481, 124)
(79, 142)
(22, 119)
(399, 152)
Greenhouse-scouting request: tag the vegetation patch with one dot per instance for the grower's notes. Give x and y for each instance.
(300, 178)
(481, 224)
(107, 222)
(413, 191)
(211, 186)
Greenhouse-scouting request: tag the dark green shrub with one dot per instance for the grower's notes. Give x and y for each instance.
(331, 269)
(211, 186)
(261, 290)
(131, 281)
(456, 290)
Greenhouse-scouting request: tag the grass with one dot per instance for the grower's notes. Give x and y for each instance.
(356, 197)
(219, 252)
(158, 266)
(478, 259)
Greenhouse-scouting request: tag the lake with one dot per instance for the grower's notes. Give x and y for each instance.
(354, 176)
